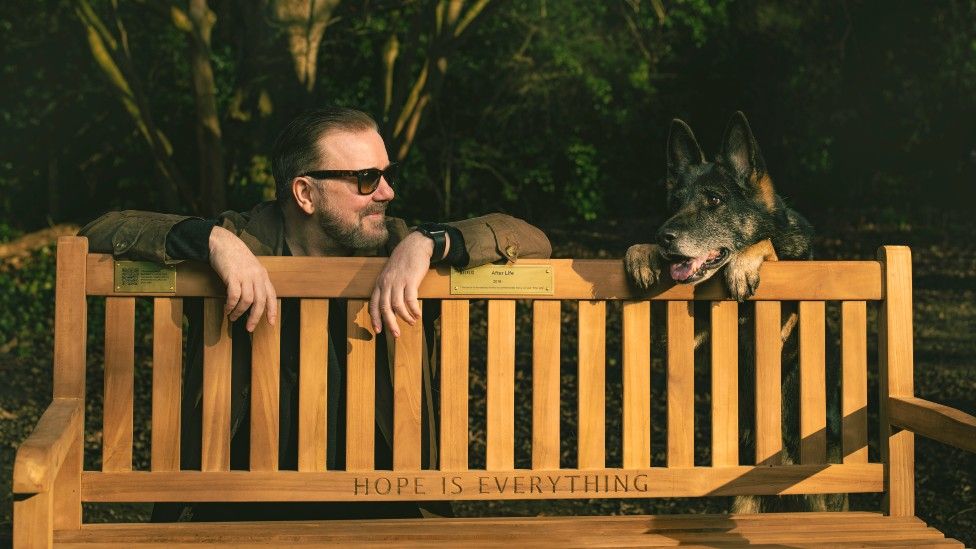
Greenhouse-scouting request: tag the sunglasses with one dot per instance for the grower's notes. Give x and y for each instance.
(366, 180)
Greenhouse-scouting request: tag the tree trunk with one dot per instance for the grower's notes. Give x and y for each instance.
(412, 95)
(305, 22)
(112, 55)
(209, 142)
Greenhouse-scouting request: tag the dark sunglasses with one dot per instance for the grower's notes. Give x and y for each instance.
(366, 180)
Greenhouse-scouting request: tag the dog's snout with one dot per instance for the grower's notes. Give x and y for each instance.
(665, 237)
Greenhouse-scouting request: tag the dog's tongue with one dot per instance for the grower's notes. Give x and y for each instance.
(682, 271)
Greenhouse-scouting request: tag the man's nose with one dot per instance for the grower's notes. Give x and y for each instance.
(384, 191)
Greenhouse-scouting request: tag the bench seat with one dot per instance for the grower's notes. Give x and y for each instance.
(859, 529)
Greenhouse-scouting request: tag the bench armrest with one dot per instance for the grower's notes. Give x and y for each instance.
(935, 421)
(40, 457)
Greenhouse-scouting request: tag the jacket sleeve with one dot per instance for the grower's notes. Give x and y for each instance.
(132, 234)
(496, 237)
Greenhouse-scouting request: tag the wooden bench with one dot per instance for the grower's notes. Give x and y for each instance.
(50, 484)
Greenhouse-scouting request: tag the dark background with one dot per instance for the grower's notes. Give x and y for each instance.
(552, 110)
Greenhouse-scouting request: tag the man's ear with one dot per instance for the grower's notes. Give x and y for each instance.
(740, 151)
(302, 192)
(683, 151)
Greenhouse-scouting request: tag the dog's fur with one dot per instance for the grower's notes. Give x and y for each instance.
(726, 214)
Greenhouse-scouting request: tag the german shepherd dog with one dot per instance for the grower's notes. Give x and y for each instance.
(726, 215)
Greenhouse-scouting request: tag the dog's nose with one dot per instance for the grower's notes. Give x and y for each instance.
(665, 238)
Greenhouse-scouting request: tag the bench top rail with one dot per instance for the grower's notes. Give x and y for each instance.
(353, 277)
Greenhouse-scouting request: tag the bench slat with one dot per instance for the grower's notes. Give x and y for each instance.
(546, 323)
(639, 530)
(360, 387)
(216, 386)
(167, 358)
(454, 385)
(265, 390)
(725, 383)
(854, 382)
(119, 376)
(637, 384)
(635, 524)
(769, 400)
(428, 485)
(534, 532)
(681, 384)
(313, 385)
(407, 353)
(592, 384)
(501, 385)
(813, 383)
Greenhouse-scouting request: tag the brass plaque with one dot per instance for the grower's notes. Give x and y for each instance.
(503, 279)
(143, 277)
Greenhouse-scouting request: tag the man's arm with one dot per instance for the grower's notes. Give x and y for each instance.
(167, 239)
(496, 237)
(133, 234)
(483, 240)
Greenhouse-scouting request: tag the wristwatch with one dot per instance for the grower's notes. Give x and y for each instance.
(438, 233)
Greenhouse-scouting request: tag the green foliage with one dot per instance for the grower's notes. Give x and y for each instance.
(699, 19)
(582, 190)
(27, 304)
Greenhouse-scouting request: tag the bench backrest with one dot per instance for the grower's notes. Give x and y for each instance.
(591, 285)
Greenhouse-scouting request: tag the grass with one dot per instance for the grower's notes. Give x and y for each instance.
(945, 324)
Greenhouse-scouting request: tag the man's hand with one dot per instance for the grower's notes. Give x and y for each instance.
(247, 281)
(396, 287)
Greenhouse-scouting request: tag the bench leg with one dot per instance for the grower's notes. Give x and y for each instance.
(33, 521)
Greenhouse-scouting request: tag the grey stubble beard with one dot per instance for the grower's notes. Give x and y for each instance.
(355, 237)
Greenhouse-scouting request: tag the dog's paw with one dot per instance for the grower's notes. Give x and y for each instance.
(742, 277)
(643, 265)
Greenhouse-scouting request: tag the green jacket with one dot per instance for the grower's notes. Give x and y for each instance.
(142, 236)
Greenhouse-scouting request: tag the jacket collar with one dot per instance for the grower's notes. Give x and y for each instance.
(264, 232)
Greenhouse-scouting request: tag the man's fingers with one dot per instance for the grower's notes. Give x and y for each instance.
(410, 296)
(386, 310)
(247, 297)
(399, 307)
(257, 307)
(233, 296)
(272, 303)
(374, 310)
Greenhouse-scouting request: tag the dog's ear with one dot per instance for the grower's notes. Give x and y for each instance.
(740, 152)
(683, 150)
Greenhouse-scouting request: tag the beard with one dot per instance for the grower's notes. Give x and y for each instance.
(364, 234)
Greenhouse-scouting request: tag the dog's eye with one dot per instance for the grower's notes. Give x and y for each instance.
(714, 201)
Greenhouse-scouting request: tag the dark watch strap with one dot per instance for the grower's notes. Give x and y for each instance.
(438, 233)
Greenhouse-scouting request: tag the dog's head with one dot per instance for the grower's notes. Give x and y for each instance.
(717, 208)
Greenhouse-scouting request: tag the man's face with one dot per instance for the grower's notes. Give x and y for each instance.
(353, 220)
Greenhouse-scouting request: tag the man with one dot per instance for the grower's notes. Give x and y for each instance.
(334, 182)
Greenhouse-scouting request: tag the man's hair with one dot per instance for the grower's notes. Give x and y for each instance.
(296, 149)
